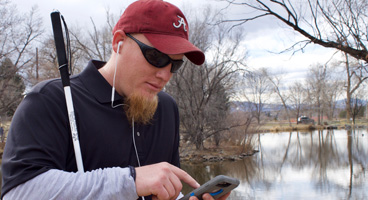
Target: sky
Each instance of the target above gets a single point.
(263, 36)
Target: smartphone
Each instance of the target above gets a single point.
(216, 187)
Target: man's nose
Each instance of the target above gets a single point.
(164, 73)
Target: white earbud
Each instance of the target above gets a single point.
(113, 83)
(120, 43)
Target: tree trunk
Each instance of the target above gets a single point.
(199, 142)
(348, 105)
(348, 86)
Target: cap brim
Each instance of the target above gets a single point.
(169, 44)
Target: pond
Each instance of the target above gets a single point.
(328, 164)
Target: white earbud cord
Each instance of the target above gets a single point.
(135, 147)
(112, 106)
(113, 82)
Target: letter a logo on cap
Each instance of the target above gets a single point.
(181, 22)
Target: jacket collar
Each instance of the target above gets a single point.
(96, 84)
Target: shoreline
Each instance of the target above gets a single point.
(210, 157)
(231, 152)
(282, 127)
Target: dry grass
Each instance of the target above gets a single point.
(6, 126)
(188, 152)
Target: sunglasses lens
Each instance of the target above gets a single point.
(156, 58)
(176, 64)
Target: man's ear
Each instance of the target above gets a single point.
(117, 40)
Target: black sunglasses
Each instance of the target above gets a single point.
(156, 57)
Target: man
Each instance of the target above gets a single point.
(129, 137)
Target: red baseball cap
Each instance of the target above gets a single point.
(163, 24)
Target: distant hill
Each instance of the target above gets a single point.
(341, 103)
(245, 106)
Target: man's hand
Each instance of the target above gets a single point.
(162, 180)
(209, 197)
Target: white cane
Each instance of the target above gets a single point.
(64, 73)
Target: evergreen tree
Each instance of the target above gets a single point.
(11, 88)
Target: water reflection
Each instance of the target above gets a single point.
(328, 164)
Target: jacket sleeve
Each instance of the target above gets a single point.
(108, 183)
(37, 141)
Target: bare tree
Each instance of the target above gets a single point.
(338, 24)
(242, 135)
(316, 87)
(333, 84)
(18, 34)
(45, 64)
(356, 74)
(257, 89)
(203, 92)
(356, 106)
(333, 92)
(279, 89)
(298, 98)
(96, 43)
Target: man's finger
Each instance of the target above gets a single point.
(170, 189)
(193, 198)
(163, 193)
(207, 196)
(225, 196)
(177, 184)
